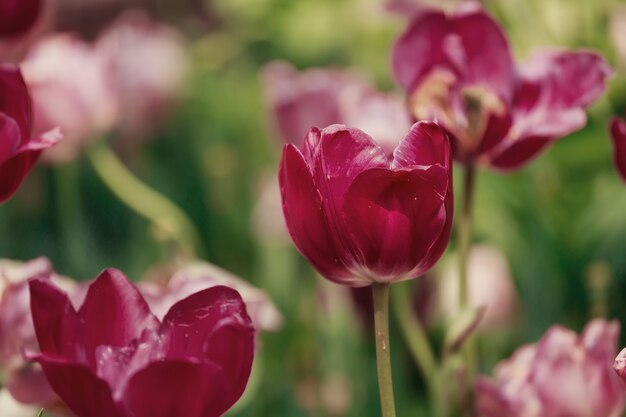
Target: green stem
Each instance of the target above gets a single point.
(145, 201)
(68, 195)
(383, 356)
(464, 241)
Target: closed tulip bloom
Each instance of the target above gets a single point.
(18, 16)
(19, 150)
(563, 375)
(458, 69)
(361, 215)
(618, 134)
(113, 358)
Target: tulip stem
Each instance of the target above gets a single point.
(464, 241)
(383, 355)
(170, 219)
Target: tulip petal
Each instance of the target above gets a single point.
(14, 99)
(426, 144)
(618, 134)
(83, 392)
(395, 218)
(116, 312)
(305, 216)
(470, 44)
(57, 325)
(176, 389)
(518, 153)
(192, 324)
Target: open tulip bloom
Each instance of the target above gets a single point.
(114, 358)
(458, 69)
(18, 150)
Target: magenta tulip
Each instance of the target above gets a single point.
(618, 133)
(563, 375)
(18, 149)
(113, 358)
(300, 100)
(18, 16)
(458, 69)
(361, 215)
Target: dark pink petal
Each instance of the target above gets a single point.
(10, 137)
(115, 311)
(518, 153)
(14, 99)
(426, 144)
(191, 324)
(553, 90)
(18, 16)
(83, 392)
(469, 44)
(305, 216)
(395, 218)
(57, 325)
(177, 389)
(618, 134)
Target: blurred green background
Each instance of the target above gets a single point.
(561, 222)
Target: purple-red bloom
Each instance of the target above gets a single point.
(18, 149)
(113, 358)
(618, 133)
(458, 69)
(361, 215)
(18, 16)
(563, 375)
(300, 100)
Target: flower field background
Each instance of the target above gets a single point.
(557, 227)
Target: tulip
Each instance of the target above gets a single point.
(321, 97)
(563, 375)
(113, 358)
(361, 215)
(618, 133)
(19, 150)
(148, 64)
(490, 285)
(458, 70)
(17, 17)
(197, 276)
(23, 379)
(72, 89)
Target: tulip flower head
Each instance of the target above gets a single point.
(458, 69)
(113, 358)
(18, 149)
(563, 375)
(361, 215)
(618, 134)
(299, 100)
(72, 89)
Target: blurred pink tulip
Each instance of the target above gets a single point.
(320, 97)
(148, 64)
(71, 88)
(18, 16)
(23, 379)
(490, 286)
(563, 375)
(198, 276)
(458, 69)
(618, 134)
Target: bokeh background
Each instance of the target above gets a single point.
(561, 222)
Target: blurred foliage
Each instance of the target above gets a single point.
(555, 220)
